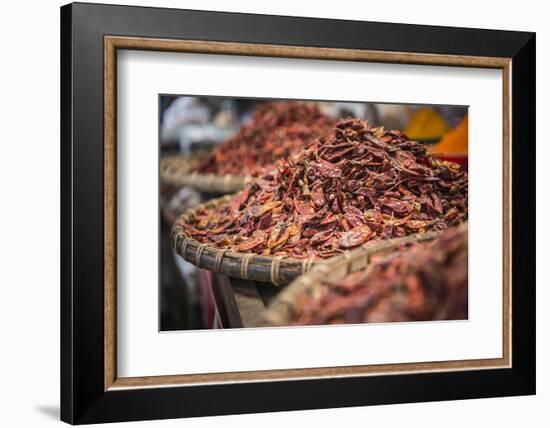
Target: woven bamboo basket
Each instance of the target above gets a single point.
(277, 270)
(282, 308)
(178, 171)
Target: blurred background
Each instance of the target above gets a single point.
(190, 299)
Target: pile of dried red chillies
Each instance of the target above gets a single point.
(423, 281)
(355, 184)
(276, 131)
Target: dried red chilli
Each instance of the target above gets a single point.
(277, 130)
(355, 184)
(419, 282)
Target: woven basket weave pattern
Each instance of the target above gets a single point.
(278, 270)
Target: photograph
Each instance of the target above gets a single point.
(283, 212)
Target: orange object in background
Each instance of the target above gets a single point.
(454, 145)
(455, 141)
(426, 125)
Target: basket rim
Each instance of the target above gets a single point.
(277, 269)
(177, 175)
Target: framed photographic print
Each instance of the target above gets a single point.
(265, 213)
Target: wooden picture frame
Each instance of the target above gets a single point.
(90, 389)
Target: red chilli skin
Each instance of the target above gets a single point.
(277, 130)
(419, 282)
(357, 183)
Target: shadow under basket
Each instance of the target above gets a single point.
(178, 171)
